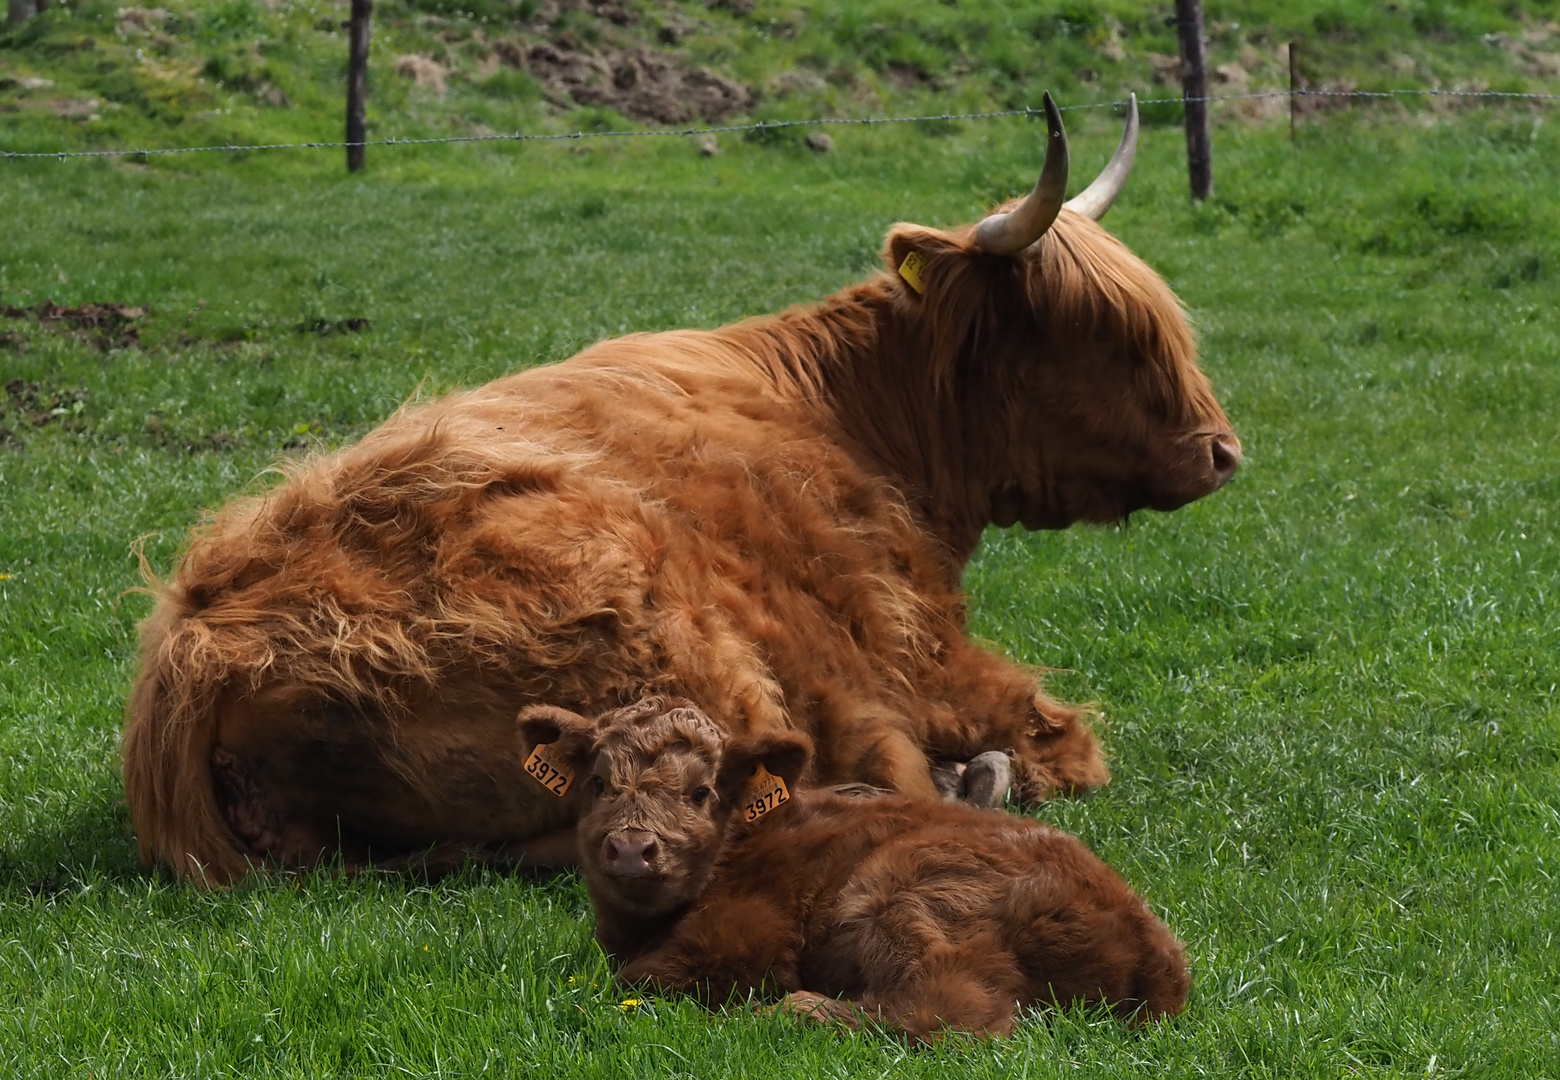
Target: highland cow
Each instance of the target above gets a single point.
(712, 875)
(770, 519)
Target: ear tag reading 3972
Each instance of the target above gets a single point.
(911, 270)
(549, 770)
(763, 793)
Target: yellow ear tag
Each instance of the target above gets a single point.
(764, 792)
(911, 269)
(549, 770)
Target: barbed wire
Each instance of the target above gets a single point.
(766, 125)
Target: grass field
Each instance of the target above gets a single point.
(1328, 692)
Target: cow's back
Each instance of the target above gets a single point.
(351, 646)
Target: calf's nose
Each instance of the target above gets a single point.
(1225, 453)
(630, 853)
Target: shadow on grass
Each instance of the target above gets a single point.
(95, 844)
(92, 843)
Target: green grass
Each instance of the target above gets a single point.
(1328, 692)
(218, 72)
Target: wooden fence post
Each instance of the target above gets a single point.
(1294, 87)
(18, 12)
(357, 82)
(1194, 90)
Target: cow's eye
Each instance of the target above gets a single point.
(597, 784)
(700, 793)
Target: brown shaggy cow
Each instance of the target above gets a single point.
(770, 519)
(926, 917)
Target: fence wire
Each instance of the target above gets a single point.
(771, 125)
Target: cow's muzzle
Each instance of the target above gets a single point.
(631, 853)
(1223, 458)
(1193, 466)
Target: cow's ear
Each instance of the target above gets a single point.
(571, 736)
(921, 258)
(782, 753)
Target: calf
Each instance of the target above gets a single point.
(711, 875)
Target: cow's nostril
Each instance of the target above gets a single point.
(630, 855)
(1226, 456)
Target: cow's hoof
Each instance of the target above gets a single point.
(948, 779)
(815, 1008)
(860, 791)
(987, 779)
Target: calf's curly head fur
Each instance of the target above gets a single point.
(663, 781)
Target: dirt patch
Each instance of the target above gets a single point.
(1167, 69)
(327, 327)
(640, 83)
(215, 441)
(27, 404)
(137, 20)
(73, 108)
(1526, 51)
(912, 76)
(107, 326)
(1231, 78)
(424, 71)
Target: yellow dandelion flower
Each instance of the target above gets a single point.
(629, 1003)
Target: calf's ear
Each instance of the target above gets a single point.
(783, 753)
(572, 736)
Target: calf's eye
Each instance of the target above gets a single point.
(597, 784)
(700, 794)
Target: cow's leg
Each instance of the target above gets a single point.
(302, 781)
(886, 757)
(983, 781)
(1057, 753)
(739, 945)
(262, 820)
(940, 1003)
(555, 851)
(996, 705)
(987, 779)
(1052, 751)
(817, 1009)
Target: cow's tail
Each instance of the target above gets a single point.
(170, 729)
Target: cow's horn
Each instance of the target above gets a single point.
(1094, 200)
(1012, 232)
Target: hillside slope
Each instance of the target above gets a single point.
(197, 72)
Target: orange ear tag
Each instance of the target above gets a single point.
(549, 770)
(911, 270)
(764, 792)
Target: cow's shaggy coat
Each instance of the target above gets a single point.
(770, 519)
(924, 916)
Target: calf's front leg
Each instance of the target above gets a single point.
(747, 945)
